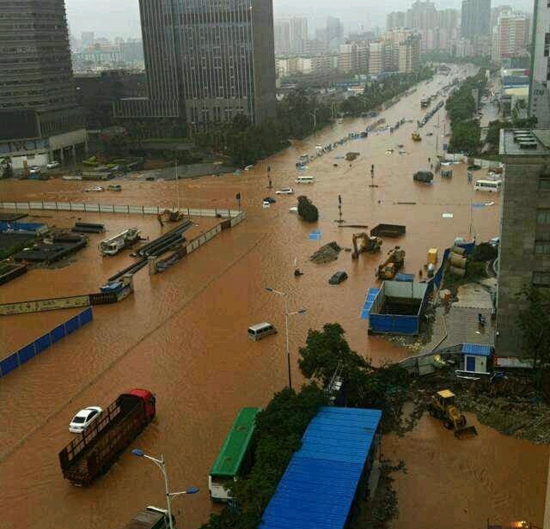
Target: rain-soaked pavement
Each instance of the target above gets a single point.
(183, 336)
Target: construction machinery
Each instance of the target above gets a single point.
(362, 242)
(393, 263)
(169, 215)
(443, 406)
(416, 137)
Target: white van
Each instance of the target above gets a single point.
(261, 330)
(488, 185)
(305, 180)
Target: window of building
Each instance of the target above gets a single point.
(542, 247)
(541, 279)
(544, 181)
(543, 216)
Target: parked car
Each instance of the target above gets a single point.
(52, 165)
(337, 278)
(84, 418)
(495, 242)
(285, 191)
(248, 167)
(114, 187)
(270, 200)
(34, 169)
(96, 189)
(266, 204)
(474, 167)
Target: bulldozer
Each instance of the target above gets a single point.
(169, 215)
(362, 242)
(393, 263)
(443, 406)
(416, 137)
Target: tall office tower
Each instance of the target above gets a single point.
(448, 18)
(395, 20)
(539, 94)
(206, 61)
(282, 36)
(39, 116)
(476, 18)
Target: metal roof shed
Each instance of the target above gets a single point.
(319, 485)
(475, 357)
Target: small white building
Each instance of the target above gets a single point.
(476, 357)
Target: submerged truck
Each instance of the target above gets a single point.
(150, 518)
(93, 451)
(115, 244)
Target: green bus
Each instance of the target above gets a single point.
(235, 456)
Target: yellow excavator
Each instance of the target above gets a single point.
(393, 263)
(362, 242)
(416, 137)
(443, 406)
(169, 215)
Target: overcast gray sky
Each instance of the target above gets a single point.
(111, 18)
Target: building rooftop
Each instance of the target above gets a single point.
(521, 91)
(525, 142)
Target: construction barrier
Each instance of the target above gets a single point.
(17, 359)
(108, 208)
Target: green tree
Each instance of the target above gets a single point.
(493, 133)
(466, 137)
(534, 322)
(307, 210)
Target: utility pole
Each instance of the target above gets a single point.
(340, 220)
(372, 184)
(269, 186)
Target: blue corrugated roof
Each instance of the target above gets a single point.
(371, 296)
(474, 349)
(318, 487)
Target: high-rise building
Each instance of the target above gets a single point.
(377, 57)
(510, 36)
(334, 33)
(39, 116)
(422, 15)
(206, 61)
(291, 35)
(496, 11)
(448, 18)
(524, 253)
(476, 18)
(395, 20)
(87, 38)
(353, 57)
(403, 50)
(539, 93)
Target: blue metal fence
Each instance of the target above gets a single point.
(13, 361)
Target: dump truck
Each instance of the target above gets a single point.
(423, 176)
(93, 451)
(115, 244)
(416, 137)
(443, 406)
(393, 263)
(425, 102)
(150, 518)
(362, 242)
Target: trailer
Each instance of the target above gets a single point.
(93, 451)
(388, 230)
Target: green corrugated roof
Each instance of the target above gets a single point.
(234, 447)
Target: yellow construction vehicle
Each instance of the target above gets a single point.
(169, 215)
(416, 137)
(362, 242)
(443, 406)
(393, 263)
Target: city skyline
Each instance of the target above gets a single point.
(124, 19)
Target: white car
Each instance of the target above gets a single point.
(285, 191)
(249, 167)
(34, 169)
(266, 204)
(84, 418)
(96, 189)
(52, 165)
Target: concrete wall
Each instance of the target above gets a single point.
(521, 198)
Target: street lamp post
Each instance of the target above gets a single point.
(287, 314)
(169, 495)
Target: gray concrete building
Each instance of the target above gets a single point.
(476, 18)
(39, 116)
(524, 255)
(206, 61)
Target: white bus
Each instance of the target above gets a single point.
(488, 185)
(305, 180)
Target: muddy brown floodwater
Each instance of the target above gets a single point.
(183, 336)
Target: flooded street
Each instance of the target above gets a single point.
(182, 335)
